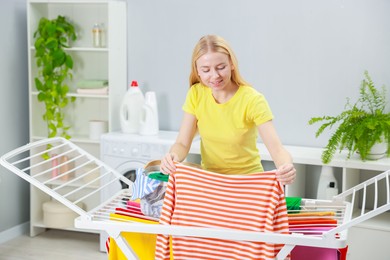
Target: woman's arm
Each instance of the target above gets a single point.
(286, 172)
(179, 150)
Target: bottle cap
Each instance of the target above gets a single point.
(134, 83)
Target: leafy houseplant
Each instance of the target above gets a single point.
(54, 68)
(360, 126)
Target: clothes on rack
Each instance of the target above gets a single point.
(134, 206)
(311, 214)
(143, 185)
(195, 197)
(151, 204)
(293, 204)
(314, 223)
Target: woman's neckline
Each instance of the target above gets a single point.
(223, 99)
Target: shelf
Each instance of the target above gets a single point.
(312, 156)
(75, 139)
(87, 96)
(68, 1)
(35, 93)
(88, 49)
(108, 63)
(82, 49)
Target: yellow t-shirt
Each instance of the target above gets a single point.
(228, 131)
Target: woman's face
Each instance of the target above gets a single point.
(215, 70)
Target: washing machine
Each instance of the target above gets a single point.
(127, 152)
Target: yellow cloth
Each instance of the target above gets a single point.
(228, 131)
(312, 214)
(143, 244)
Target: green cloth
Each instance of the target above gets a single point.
(158, 176)
(293, 203)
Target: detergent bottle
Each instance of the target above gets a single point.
(131, 109)
(149, 117)
(327, 180)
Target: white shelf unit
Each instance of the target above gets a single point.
(90, 63)
(349, 173)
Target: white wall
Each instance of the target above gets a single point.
(14, 192)
(306, 56)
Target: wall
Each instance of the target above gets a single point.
(305, 56)
(14, 192)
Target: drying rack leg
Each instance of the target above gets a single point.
(286, 249)
(124, 246)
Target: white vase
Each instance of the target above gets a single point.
(377, 151)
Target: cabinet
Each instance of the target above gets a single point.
(366, 240)
(90, 63)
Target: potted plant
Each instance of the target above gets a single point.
(54, 67)
(360, 126)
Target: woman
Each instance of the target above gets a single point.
(228, 114)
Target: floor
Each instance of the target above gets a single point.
(53, 244)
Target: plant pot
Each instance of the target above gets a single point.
(378, 151)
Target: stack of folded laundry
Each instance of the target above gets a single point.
(92, 87)
(314, 223)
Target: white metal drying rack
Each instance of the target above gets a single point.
(90, 177)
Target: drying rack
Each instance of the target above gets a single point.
(81, 176)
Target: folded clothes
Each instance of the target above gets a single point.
(92, 83)
(93, 91)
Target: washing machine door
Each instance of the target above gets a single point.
(127, 169)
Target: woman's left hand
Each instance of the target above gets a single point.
(286, 174)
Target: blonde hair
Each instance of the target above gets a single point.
(214, 43)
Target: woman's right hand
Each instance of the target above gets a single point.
(167, 165)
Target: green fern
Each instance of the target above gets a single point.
(360, 126)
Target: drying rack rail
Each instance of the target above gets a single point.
(70, 175)
(64, 171)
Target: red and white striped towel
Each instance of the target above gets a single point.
(195, 197)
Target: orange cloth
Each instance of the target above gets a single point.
(311, 214)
